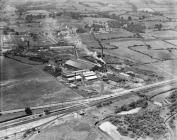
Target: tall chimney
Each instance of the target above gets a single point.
(101, 51)
(75, 52)
(101, 87)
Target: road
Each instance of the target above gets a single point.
(16, 127)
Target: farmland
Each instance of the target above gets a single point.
(124, 51)
(164, 34)
(120, 33)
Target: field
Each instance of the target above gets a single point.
(172, 41)
(119, 33)
(91, 19)
(164, 34)
(24, 85)
(76, 129)
(166, 25)
(159, 54)
(155, 59)
(165, 68)
(124, 51)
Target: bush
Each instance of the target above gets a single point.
(122, 131)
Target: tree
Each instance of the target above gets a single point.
(29, 18)
(28, 111)
(129, 18)
(81, 30)
(148, 47)
(5, 30)
(133, 105)
(158, 26)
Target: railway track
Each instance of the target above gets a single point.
(82, 104)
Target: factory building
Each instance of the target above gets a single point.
(92, 77)
(74, 78)
(79, 64)
(84, 75)
(124, 76)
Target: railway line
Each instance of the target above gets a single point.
(82, 104)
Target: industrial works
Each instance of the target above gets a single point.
(88, 70)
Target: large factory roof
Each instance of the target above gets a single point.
(80, 64)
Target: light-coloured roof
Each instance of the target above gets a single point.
(89, 73)
(74, 78)
(91, 77)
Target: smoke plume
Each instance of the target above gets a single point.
(75, 40)
(80, 45)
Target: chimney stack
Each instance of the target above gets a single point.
(75, 52)
(101, 88)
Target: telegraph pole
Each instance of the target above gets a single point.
(1, 109)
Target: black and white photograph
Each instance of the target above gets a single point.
(88, 69)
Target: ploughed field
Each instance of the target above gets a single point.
(24, 85)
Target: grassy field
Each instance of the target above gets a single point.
(172, 41)
(164, 34)
(120, 33)
(159, 54)
(124, 51)
(165, 68)
(24, 85)
(75, 129)
(149, 59)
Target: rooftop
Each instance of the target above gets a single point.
(80, 64)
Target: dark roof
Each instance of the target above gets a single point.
(80, 64)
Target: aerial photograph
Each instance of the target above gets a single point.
(88, 69)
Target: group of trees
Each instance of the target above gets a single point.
(158, 26)
(136, 28)
(140, 103)
(29, 18)
(130, 26)
(144, 123)
(55, 72)
(173, 99)
(6, 30)
(104, 103)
